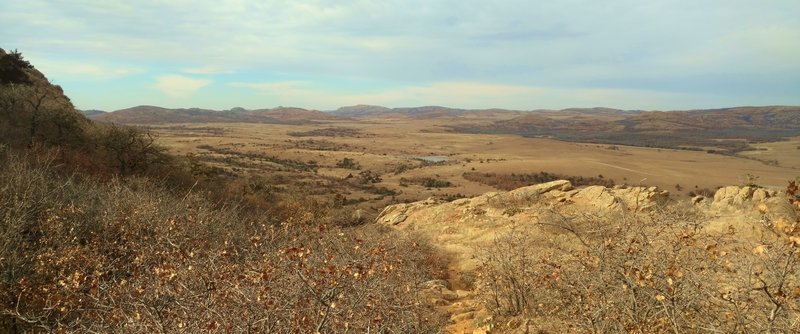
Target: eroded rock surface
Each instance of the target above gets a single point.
(460, 227)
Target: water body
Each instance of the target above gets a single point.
(433, 158)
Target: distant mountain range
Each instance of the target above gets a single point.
(726, 130)
(604, 119)
(534, 122)
(155, 115)
(425, 112)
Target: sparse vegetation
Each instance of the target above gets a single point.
(427, 182)
(751, 180)
(517, 180)
(368, 176)
(319, 145)
(348, 163)
(329, 132)
(402, 168)
(452, 197)
(286, 163)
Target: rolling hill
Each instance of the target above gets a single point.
(424, 112)
(154, 115)
(728, 130)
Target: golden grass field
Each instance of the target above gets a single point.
(786, 153)
(381, 146)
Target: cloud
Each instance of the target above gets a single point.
(206, 70)
(272, 86)
(681, 46)
(61, 68)
(471, 95)
(178, 86)
(757, 48)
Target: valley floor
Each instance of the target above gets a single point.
(390, 149)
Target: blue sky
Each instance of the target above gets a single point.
(528, 54)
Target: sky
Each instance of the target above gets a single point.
(514, 54)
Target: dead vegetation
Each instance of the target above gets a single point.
(102, 231)
(127, 256)
(647, 273)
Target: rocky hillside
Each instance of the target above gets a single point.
(537, 258)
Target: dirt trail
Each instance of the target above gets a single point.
(465, 310)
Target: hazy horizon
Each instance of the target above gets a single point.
(520, 55)
(434, 106)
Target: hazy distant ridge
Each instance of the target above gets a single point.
(154, 115)
(605, 125)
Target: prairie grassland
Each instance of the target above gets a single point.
(384, 153)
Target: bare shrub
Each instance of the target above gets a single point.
(128, 256)
(649, 272)
(427, 182)
(508, 267)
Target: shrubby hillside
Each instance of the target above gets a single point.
(129, 256)
(101, 231)
(36, 115)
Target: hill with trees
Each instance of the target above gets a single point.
(727, 131)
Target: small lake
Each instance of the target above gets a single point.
(433, 158)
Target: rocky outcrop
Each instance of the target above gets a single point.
(504, 205)
(534, 191)
(398, 213)
(464, 224)
(752, 201)
(461, 227)
(527, 203)
(737, 196)
(635, 198)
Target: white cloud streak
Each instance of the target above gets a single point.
(206, 70)
(178, 86)
(473, 95)
(92, 71)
